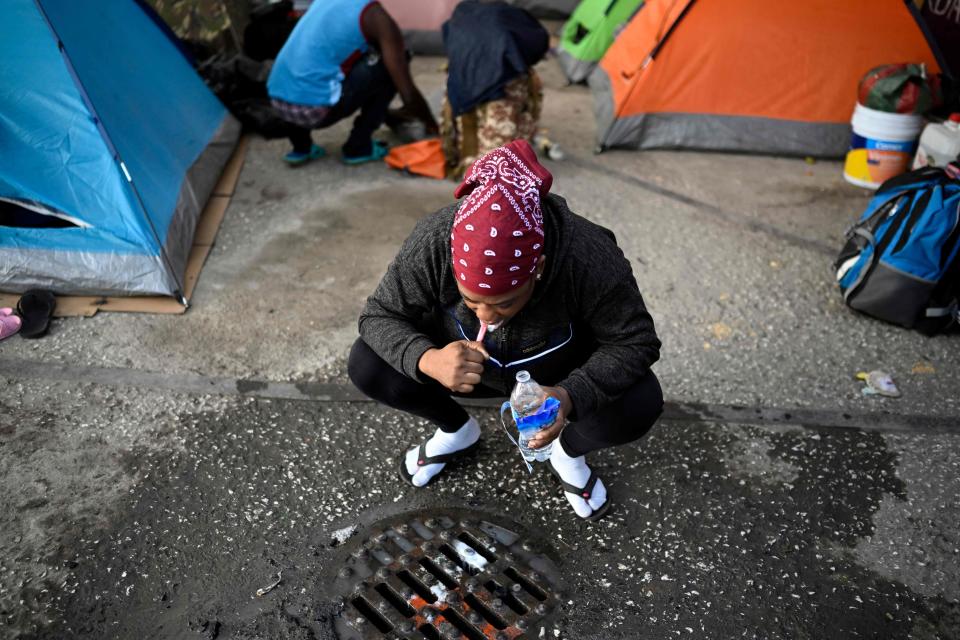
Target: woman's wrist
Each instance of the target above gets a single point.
(425, 362)
(566, 404)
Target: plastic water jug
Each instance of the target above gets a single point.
(939, 143)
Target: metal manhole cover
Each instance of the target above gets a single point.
(445, 575)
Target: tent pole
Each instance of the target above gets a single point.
(666, 36)
(648, 59)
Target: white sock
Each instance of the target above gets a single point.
(441, 442)
(576, 472)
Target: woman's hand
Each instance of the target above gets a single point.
(457, 366)
(545, 436)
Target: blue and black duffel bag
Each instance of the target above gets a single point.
(900, 262)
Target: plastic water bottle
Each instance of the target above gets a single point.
(526, 399)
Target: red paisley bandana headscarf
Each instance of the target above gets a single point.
(497, 233)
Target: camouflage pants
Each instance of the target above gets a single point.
(491, 124)
(214, 24)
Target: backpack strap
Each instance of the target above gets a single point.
(952, 309)
(942, 318)
(916, 179)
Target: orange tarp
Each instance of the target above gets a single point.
(423, 158)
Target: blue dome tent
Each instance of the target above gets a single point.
(110, 145)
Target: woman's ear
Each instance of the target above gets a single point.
(541, 265)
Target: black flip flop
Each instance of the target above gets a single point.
(423, 460)
(584, 492)
(35, 308)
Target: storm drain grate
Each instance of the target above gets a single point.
(444, 576)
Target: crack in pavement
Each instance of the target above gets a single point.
(689, 412)
(719, 212)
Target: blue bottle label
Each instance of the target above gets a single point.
(542, 417)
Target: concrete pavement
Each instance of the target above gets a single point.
(157, 471)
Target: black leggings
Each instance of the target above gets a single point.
(624, 420)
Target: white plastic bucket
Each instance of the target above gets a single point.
(881, 147)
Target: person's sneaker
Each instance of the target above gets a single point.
(9, 325)
(297, 158)
(378, 151)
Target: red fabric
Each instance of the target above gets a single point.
(498, 231)
(903, 88)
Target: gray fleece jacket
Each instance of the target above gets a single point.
(585, 329)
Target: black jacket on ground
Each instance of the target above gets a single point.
(585, 329)
(487, 46)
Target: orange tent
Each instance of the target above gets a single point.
(762, 76)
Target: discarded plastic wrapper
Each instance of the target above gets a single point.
(544, 416)
(270, 587)
(879, 383)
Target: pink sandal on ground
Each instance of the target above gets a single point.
(9, 325)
